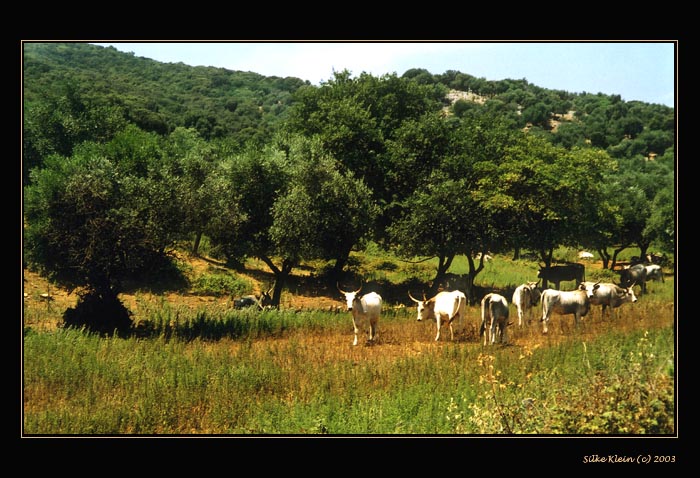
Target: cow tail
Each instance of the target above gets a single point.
(485, 306)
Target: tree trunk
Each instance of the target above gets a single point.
(605, 257)
(340, 261)
(474, 270)
(614, 256)
(444, 263)
(546, 257)
(643, 248)
(195, 247)
(516, 253)
(281, 276)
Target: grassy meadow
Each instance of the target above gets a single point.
(203, 368)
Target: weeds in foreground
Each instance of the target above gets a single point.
(635, 397)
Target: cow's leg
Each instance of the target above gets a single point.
(545, 319)
(520, 316)
(492, 331)
(354, 325)
(372, 329)
(452, 334)
(438, 322)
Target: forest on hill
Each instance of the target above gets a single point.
(123, 157)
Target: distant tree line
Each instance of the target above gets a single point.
(355, 159)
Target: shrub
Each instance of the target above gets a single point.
(221, 284)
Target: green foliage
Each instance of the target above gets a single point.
(355, 117)
(60, 119)
(89, 226)
(356, 154)
(221, 284)
(159, 97)
(325, 213)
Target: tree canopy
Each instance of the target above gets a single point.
(124, 156)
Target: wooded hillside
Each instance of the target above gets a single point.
(124, 157)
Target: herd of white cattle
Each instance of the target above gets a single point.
(448, 307)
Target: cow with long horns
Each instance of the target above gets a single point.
(365, 309)
(444, 308)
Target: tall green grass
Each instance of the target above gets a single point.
(214, 370)
(74, 383)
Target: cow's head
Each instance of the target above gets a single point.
(626, 294)
(590, 289)
(350, 297)
(425, 307)
(534, 292)
(266, 298)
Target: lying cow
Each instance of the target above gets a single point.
(574, 302)
(262, 301)
(494, 318)
(525, 297)
(444, 308)
(608, 294)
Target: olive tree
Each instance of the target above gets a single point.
(90, 226)
(295, 204)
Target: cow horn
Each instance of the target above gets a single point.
(339, 289)
(413, 298)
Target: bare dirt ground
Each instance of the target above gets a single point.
(41, 296)
(395, 337)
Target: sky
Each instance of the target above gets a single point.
(643, 71)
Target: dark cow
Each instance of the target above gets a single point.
(557, 274)
(634, 275)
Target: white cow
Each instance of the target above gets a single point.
(363, 309)
(445, 307)
(585, 255)
(525, 297)
(607, 294)
(574, 302)
(654, 272)
(494, 317)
